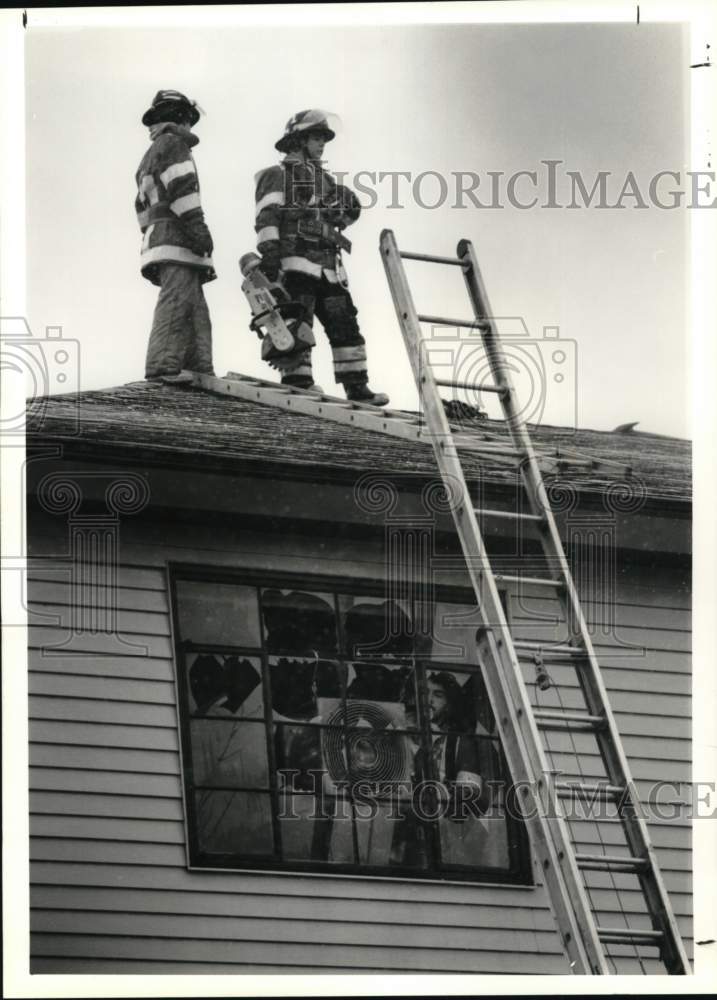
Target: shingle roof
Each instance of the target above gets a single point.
(192, 424)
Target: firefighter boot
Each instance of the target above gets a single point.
(359, 392)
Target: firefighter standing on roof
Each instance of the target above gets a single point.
(301, 213)
(176, 243)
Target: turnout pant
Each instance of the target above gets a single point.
(181, 334)
(332, 304)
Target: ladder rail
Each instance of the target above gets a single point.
(394, 423)
(591, 680)
(509, 697)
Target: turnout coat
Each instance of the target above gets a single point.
(300, 212)
(168, 206)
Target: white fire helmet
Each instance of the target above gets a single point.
(312, 120)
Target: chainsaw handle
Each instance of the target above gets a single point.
(254, 324)
(298, 308)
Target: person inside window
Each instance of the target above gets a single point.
(459, 767)
(455, 758)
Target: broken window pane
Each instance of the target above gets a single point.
(301, 685)
(222, 685)
(372, 627)
(299, 623)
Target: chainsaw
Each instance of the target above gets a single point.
(278, 321)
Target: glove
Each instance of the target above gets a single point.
(270, 263)
(349, 207)
(199, 237)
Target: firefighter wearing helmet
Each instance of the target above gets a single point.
(176, 243)
(301, 213)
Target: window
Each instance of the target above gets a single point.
(324, 728)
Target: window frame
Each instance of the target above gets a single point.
(518, 874)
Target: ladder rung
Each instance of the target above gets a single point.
(571, 463)
(537, 581)
(607, 862)
(567, 789)
(462, 440)
(547, 718)
(472, 324)
(547, 650)
(616, 935)
(511, 515)
(477, 386)
(455, 261)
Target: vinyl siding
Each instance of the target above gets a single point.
(110, 887)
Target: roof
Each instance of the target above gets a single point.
(190, 424)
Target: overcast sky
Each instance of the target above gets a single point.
(423, 98)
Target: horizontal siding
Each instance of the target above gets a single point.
(96, 710)
(53, 593)
(277, 954)
(111, 892)
(344, 909)
(241, 929)
(145, 577)
(54, 641)
(97, 734)
(173, 855)
(261, 906)
(56, 804)
(134, 667)
(103, 759)
(102, 688)
(131, 966)
(110, 874)
(125, 966)
(116, 782)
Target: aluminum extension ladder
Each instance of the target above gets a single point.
(519, 724)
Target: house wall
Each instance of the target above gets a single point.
(110, 888)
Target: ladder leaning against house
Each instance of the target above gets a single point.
(520, 725)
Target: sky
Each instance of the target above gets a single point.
(413, 98)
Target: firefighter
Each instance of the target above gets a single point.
(176, 242)
(301, 212)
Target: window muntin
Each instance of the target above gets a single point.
(311, 738)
